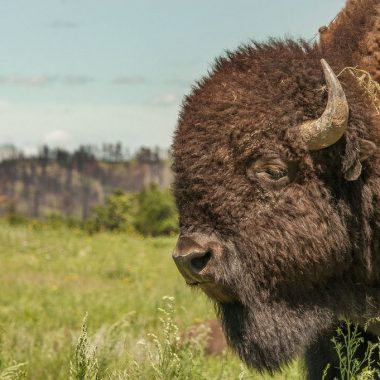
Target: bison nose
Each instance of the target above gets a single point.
(192, 257)
(193, 262)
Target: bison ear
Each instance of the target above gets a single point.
(366, 149)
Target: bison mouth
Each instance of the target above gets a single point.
(218, 292)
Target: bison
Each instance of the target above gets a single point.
(277, 183)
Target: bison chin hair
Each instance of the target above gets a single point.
(269, 336)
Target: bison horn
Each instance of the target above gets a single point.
(329, 128)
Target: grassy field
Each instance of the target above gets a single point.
(50, 278)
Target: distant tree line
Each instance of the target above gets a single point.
(71, 183)
(108, 152)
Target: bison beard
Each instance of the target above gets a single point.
(266, 336)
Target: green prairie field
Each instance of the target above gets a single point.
(52, 277)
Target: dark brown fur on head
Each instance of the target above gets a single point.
(299, 255)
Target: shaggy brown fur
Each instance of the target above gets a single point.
(363, 51)
(299, 256)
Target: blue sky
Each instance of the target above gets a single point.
(91, 71)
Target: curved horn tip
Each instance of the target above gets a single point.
(330, 127)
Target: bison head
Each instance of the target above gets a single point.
(269, 186)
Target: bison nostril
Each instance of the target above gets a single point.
(200, 262)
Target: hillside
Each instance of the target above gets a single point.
(40, 186)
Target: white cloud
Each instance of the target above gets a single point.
(4, 105)
(44, 80)
(129, 80)
(76, 80)
(58, 138)
(63, 24)
(32, 81)
(5, 139)
(166, 100)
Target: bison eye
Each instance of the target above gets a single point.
(270, 172)
(273, 173)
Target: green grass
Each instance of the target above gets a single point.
(51, 278)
